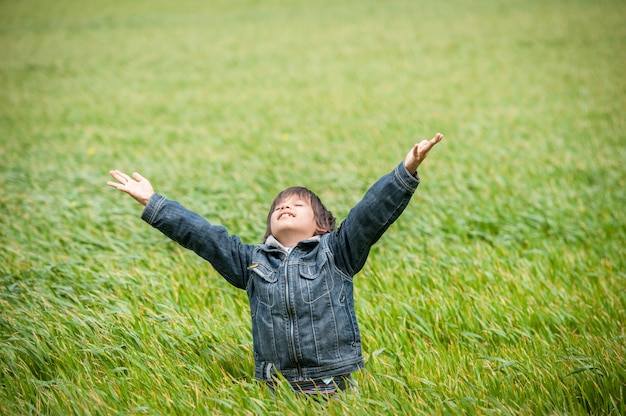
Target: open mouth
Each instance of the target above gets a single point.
(288, 214)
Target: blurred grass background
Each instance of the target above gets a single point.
(500, 290)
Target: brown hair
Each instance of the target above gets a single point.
(324, 219)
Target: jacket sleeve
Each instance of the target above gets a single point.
(368, 220)
(226, 253)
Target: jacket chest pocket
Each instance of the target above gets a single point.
(316, 281)
(265, 284)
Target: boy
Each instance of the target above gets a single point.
(300, 280)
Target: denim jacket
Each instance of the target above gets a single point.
(303, 321)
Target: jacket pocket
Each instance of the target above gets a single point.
(316, 281)
(264, 285)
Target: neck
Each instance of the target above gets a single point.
(289, 243)
(290, 240)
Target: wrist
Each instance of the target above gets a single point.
(411, 167)
(145, 199)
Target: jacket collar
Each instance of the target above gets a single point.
(273, 243)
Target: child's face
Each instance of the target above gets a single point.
(293, 218)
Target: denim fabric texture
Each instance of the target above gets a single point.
(301, 300)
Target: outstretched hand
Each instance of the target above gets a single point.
(138, 187)
(419, 152)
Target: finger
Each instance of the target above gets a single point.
(115, 185)
(438, 137)
(426, 145)
(114, 173)
(120, 176)
(138, 177)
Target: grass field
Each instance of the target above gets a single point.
(501, 290)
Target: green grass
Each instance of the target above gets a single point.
(501, 290)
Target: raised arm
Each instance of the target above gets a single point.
(381, 205)
(138, 187)
(228, 255)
